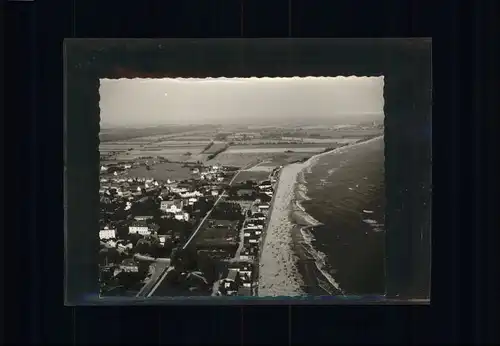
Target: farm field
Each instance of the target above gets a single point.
(266, 167)
(215, 147)
(251, 175)
(321, 140)
(273, 159)
(238, 159)
(161, 171)
(274, 149)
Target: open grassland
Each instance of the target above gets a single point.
(251, 175)
(210, 234)
(161, 171)
(270, 159)
(238, 159)
(263, 167)
(242, 149)
(215, 147)
(321, 140)
(158, 132)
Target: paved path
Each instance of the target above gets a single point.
(160, 267)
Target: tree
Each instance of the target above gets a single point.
(207, 266)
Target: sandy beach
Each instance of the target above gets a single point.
(286, 266)
(278, 273)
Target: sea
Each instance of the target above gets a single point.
(340, 198)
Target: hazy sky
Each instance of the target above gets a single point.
(126, 102)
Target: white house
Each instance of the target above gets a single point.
(173, 206)
(107, 233)
(104, 168)
(263, 207)
(139, 227)
(191, 194)
(265, 185)
(180, 216)
(215, 193)
(192, 200)
(129, 265)
(253, 227)
(128, 205)
(142, 218)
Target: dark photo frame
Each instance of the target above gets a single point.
(407, 69)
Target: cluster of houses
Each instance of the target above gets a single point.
(171, 197)
(175, 199)
(240, 278)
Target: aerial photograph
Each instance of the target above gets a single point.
(255, 187)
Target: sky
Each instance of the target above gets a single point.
(150, 102)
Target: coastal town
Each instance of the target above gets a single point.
(207, 189)
(187, 214)
(198, 236)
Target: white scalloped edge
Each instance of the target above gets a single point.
(244, 79)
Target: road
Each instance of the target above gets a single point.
(217, 201)
(164, 272)
(160, 267)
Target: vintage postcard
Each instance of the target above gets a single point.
(242, 186)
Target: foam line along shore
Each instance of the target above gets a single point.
(288, 266)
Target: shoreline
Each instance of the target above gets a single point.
(313, 280)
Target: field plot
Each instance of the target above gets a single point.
(276, 148)
(321, 140)
(238, 159)
(251, 175)
(215, 147)
(284, 159)
(161, 171)
(211, 234)
(343, 133)
(207, 137)
(177, 151)
(265, 167)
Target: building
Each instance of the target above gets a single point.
(163, 238)
(248, 253)
(173, 206)
(265, 185)
(263, 207)
(215, 193)
(230, 284)
(129, 266)
(180, 216)
(142, 218)
(139, 227)
(258, 216)
(107, 233)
